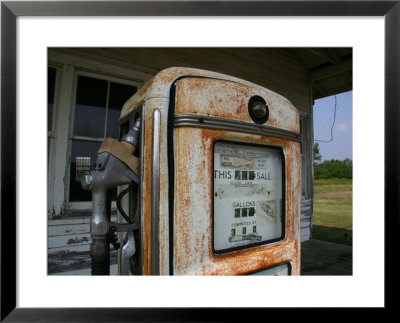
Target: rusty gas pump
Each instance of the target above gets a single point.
(216, 177)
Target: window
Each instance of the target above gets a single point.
(249, 189)
(97, 108)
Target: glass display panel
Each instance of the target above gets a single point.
(280, 270)
(248, 195)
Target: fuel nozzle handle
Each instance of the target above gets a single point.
(132, 136)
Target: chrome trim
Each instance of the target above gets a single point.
(155, 194)
(201, 121)
(128, 250)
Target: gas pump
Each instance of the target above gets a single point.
(210, 165)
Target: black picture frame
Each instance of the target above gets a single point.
(10, 10)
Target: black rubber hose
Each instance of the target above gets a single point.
(119, 206)
(100, 256)
(101, 267)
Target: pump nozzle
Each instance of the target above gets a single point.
(115, 166)
(132, 136)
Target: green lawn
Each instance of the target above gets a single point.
(333, 211)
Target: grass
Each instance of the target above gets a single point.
(333, 211)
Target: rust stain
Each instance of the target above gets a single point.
(230, 100)
(164, 233)
(146, 194)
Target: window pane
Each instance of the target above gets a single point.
(83, 157)
(51, 85)
(91, 97)
(81, 149)
(119, 94)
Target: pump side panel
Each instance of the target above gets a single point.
(147, 190)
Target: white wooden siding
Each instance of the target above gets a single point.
(306, 218)
(69, 244)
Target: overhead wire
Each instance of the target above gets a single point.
(333, 124)
(339, 105)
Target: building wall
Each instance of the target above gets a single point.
(68, 220)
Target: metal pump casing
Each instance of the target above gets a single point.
(184, 112)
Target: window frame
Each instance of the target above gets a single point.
(51, 134)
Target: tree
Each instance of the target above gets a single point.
(317, 155)
(334, 169)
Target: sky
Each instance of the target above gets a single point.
(341, 146)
